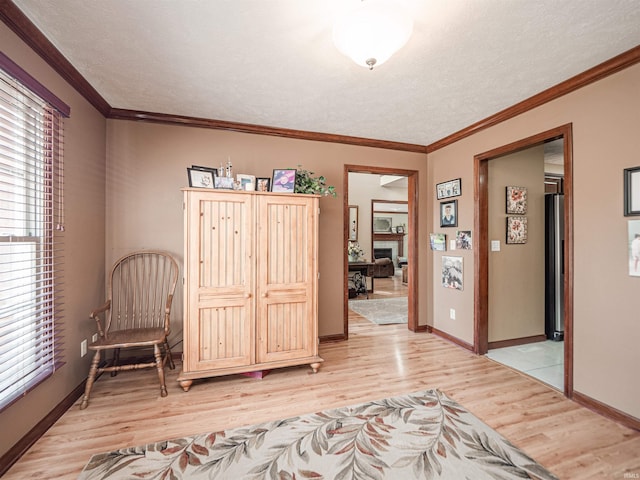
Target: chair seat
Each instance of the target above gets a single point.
(130, 338)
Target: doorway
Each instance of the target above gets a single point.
(410, 248)
(526, 325)
(482, 285)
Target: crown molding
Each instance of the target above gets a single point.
(122, 114)
(616, 64)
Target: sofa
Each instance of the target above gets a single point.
(383, 268)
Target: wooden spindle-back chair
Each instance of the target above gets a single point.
(136, 314)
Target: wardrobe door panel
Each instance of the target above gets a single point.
(220, 284)
(286, 277)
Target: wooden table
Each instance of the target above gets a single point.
(366, 270)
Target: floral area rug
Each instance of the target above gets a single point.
(383, 311)
(422, 435)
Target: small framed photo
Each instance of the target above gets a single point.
(463, 240)
(452, 188)
(247, 182)
(516, 200)
(284, 180)
(263, 184)
(438, 242)
(201, 178)
(517, 230)
(400, 229)
(631, 191)
(225, 183)
(449, 213)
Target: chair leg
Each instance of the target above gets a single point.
(167, 352)
(93, 371)
(160, 367)
(115, 361)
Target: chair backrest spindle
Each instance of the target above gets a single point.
(140, 284)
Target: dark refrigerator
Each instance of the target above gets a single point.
(554, 266)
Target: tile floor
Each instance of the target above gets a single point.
(541, 360)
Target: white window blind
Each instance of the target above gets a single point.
(31, 239)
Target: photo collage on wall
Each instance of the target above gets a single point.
(452, 266)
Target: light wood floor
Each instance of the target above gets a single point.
(376, 362)
(387, 287)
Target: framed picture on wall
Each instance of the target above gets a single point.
(516, 230)
(382, 224)
(452, 273)
(631, 191)
(353, 223)
(634, 248)
(449, 213)
(516, 200)
(463, 240)
(438, 241)
(451, 188)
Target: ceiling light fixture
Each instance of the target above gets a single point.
(372, 32)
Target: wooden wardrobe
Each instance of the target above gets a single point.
(250, 282)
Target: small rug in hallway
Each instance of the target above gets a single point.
(424, 435)
(382, 311)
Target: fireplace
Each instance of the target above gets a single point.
(383, 253)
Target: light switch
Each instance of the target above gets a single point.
(495, 245)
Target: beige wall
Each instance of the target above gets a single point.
(516, 272)
(605, 117)
(146, 168)
(444, 299)
(84, 242)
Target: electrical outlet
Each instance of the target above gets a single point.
(94, 339)
(83, 348)
(452, 313)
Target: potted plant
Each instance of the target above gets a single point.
(307, 183)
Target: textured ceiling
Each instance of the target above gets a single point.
(272, 62)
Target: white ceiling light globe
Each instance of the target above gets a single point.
(372, 32)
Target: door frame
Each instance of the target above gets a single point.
(412, 238)
(481, 254)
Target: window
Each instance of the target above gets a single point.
(31, 236)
